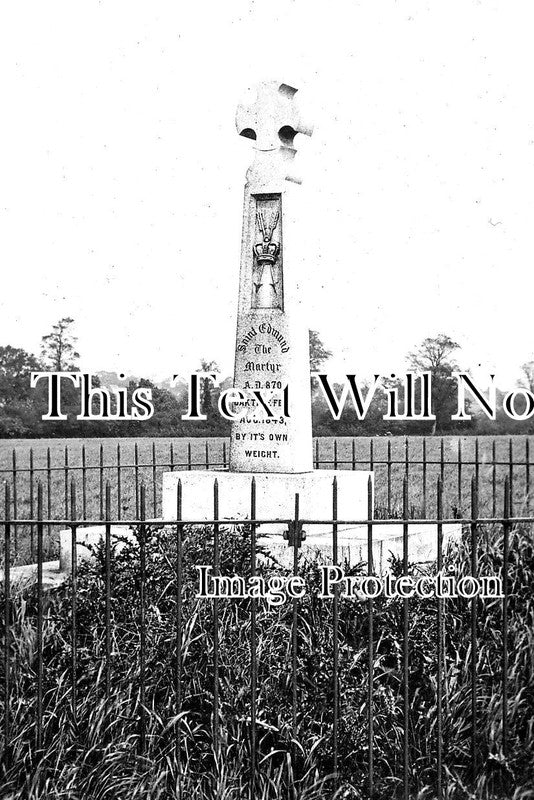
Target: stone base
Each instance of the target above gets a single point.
(275, 496)
(26, 575)
(87, 538)
(352, 545)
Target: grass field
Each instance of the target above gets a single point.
(126, 463)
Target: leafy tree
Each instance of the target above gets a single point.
(16, 366)
(58, 348)
(206, 388)
(318, 352)
(435, 355)
(527, 379)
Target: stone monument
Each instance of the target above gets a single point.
(271, 438)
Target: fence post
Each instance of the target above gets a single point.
(7, 624)
(142, 621)
(439, 643)
(216, 560)
(405, 647)
(74, 570)
(506, 534)
(32, 509)
(15, 505)
(178, 677)
(84, 483)
(253, 654)
(294, 630)
(39, 706)
(154, 480)
(424, 476)
(370, 642)
(474, 649)
(101, 480)
(108, 590)
(119, 492)
(335, 631)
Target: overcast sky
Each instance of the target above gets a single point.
(121, 176)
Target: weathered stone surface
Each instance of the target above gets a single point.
(88, 538)
(26, 575)
(387, 543)
(272, 350)
(275, 496)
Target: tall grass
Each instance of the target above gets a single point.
(96, 753)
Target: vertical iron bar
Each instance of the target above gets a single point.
(477, 462)
(389, 477)
(189, 455)
(171, 453)
(335, 630)
(506, 534)
(527, 473)
(216, 557)
(108, 591)
(224, 454)
(294, 630)
(371, 454)
(474, 648)
(424, 476)
(15, 504)
(494, 478)
(335, 453)
(66, 481)
(32, 509)
(406, 456)
(370, 643)
(459, 476)
(511, 473)
(142, 621)
(49, 495)
(7, 625)
(136, 478)
(442, 461)
(439, 642)
(178, 679)
(101, 481)
(154, 481)
(353, 454)
(74, 564)
(405, 647)
(39, 706)
(317, 454)
(207, 454)
(253, 646)
(119, 488)
(84, 483)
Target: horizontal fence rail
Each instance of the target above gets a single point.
(428, 746)
(455, 460)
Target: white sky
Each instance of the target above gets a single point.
(121, 175)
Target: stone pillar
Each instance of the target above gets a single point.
(272, 349)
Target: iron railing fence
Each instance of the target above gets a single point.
(484, 733)
(128, 464)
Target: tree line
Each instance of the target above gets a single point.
(22, 407)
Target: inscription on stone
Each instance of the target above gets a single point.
(271, 434)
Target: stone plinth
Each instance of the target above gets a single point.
(275, 496)
(387, 542)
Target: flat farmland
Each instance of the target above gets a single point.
(127, 463)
